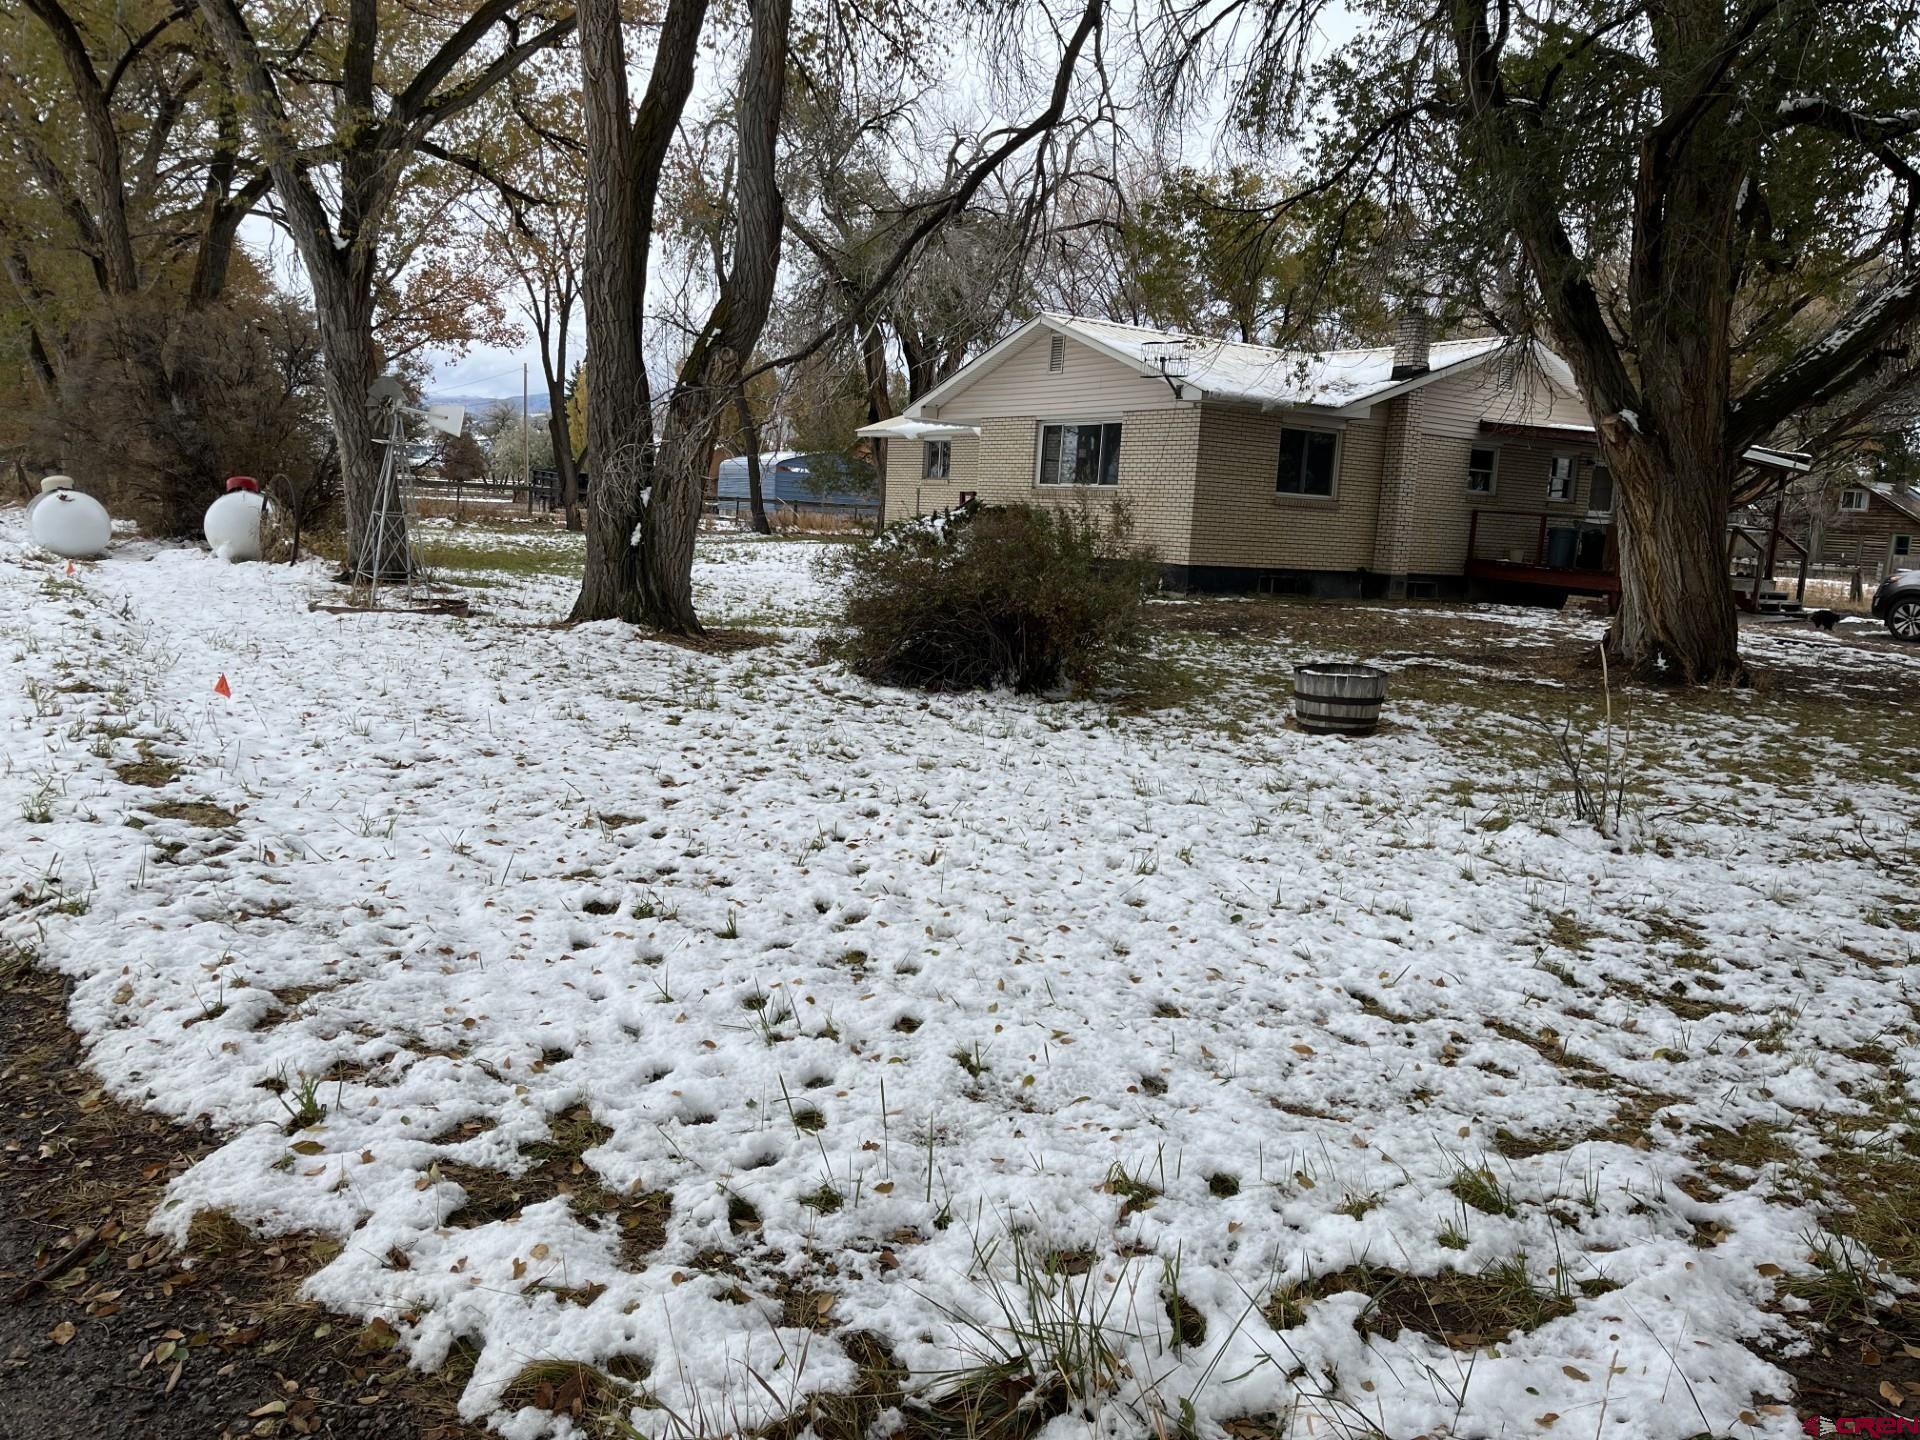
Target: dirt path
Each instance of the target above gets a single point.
(134, 1340)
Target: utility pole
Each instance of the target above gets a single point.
(526, 436)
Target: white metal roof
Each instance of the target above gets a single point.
(1335, 380)
(1230, 370)
(905, 427)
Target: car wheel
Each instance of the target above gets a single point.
(1903, 619)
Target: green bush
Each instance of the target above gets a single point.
(984, 596)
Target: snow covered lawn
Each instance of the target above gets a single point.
(750, 1034)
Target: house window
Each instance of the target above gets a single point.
(1560, 477)
(1853, 499)
(1079, 454)
(1057, 354)
(1600, 491)
(936, 459)
(1902, 546)
(1480, 467)
(1308, 463)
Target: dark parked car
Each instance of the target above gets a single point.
(1897, 602)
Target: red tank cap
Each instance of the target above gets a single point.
(242, 482)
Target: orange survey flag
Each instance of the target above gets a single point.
(220, 687)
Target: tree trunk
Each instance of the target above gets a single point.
(563, 465)
(1676, 623)
(750, 436)
(346, 333)
(623, 177)
(873, 365)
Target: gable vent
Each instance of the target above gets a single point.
(1057, 354)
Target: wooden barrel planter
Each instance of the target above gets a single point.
(1338, 699)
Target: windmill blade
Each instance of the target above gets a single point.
(447, 419)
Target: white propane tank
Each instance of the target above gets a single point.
(68, 523)
(233, 521)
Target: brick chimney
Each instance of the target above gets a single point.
(1412, 340)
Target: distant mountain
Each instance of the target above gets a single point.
(478, 405)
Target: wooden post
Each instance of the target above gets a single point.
(1773, 542)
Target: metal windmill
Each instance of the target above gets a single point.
(387, 552)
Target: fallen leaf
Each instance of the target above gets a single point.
(1890, 1392)
(1573, 1374)
(540, 1251)
(61, 1333)
(1303, 1050)
(309, 1147)
(1769, 1269)
(1545, 1422)
(272, 1407)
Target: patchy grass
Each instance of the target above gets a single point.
(149, 771)
(1461, 1309)
(555, 1168)
(203, 813)
(590, 1397)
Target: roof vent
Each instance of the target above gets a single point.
(1057, 354)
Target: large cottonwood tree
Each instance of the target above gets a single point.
(1707, 206)
(647, 478)
(344, 105)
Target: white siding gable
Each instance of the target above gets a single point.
(1088, 386)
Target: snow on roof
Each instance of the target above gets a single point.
(1261, 374)
(905, 427)
(1907, 502)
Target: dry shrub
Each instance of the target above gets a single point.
(1015, 595)
(159, 403)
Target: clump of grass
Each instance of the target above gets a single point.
(1223, 1186)
(301, 1100)
(1047, 1351)
(1135, 1192)
(974, 1062)
(1479, 1187)
(825, 1199)
(1356, 1205)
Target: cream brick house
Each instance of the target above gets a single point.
(1417, 468)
